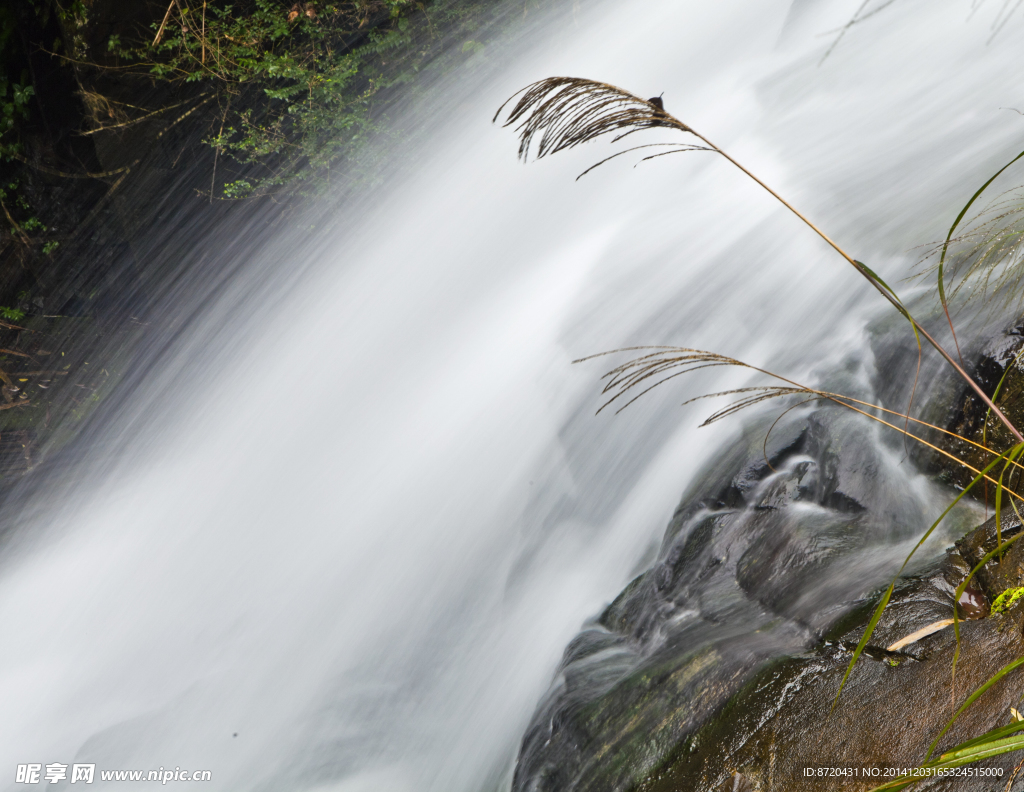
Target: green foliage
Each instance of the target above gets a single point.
(13, 199)
(992, 258)
(294, 85)
(12, 314)
(14, 99)
(1006, 600)
(238, 189)
(997, 741)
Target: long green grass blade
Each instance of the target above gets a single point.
(980, 750)
(888, 593)
(1002, 379)
(884, 285)
(1014, 453)
(998, 733)
(959, 217)
(893, 786)
(995, 395)
(1006, 669)
(1011, 456)
(864, 640)
(899, 303)
(1000, 740)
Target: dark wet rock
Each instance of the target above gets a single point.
(968, 417)
(893, 706)
(1002, 571)
(733, 717)
(737, 783)
(775, 560)
(973, 604)
(719, 665)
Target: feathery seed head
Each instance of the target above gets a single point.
(563, 112)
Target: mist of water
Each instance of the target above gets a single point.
(338, 538)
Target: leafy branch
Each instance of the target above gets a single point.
(293, 84)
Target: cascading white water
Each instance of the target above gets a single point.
(357, 570)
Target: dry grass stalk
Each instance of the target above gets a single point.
(562, 112)
(160, 32)
(917, 635)
(567, 111)
(647, 371)
(659, 364)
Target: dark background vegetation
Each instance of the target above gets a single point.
(132, 128)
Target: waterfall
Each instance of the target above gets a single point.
(338, 535)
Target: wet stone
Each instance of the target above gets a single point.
(725, 656)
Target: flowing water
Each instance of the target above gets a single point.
(338, 535)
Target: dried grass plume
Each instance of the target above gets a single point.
(560, 113)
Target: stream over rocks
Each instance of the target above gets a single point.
(759, 562)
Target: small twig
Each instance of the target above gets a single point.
(1013, 777)
(185, 115)
(216, 151)
(55, 172)
(842, 32)
(102, 202)
(25, 238)
(640, 371)
(135, 120)
(163, 24)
